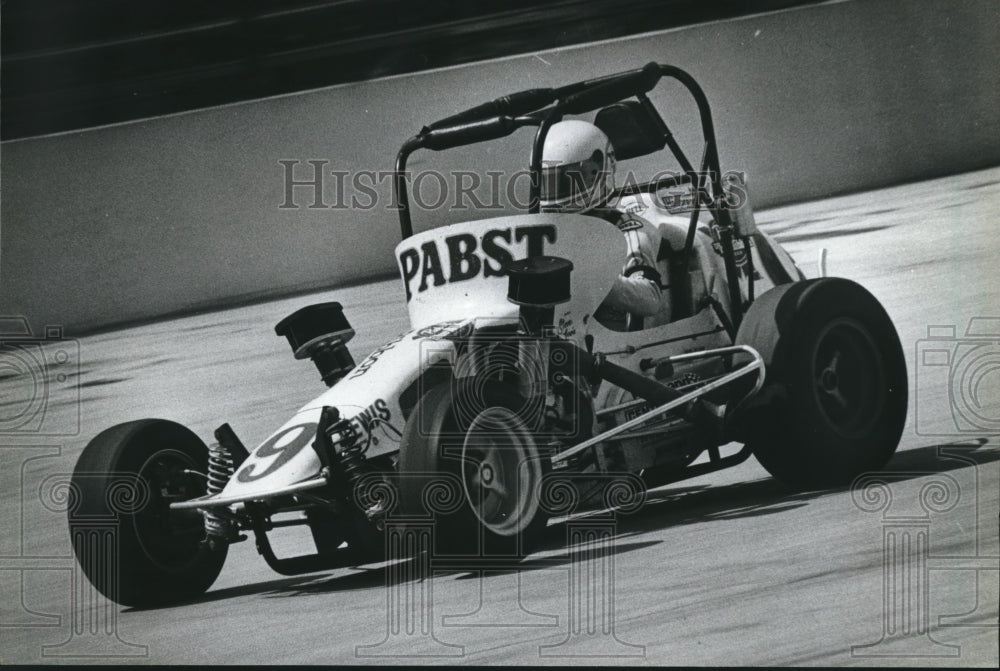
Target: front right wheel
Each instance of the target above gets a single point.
(835, 382)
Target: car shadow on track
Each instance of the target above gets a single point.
(665, 507)
(363, 578)
(669, 507)
(418, 568)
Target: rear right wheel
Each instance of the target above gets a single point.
(836, 380)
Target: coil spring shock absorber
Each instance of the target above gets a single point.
(352, 459)
(352, 463)
(220, 469)
(348, 464)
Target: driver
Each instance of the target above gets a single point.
(578, 176)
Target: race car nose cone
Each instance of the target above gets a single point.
(539, 281)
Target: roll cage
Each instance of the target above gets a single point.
(633, 125)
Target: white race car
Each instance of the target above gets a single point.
(507, 383)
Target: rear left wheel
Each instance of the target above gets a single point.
(473, 438)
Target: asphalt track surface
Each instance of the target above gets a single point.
(728, 568)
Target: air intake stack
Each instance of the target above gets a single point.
(320, 332)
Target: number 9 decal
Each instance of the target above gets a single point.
(282, 446)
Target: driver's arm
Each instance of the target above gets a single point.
(637, 289)
(636, 294)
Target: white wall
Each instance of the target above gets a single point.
(176, 213)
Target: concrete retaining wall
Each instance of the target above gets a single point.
(184, 212)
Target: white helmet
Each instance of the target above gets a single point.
(578, 167)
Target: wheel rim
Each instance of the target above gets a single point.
(171, 539)
(501, 471)
(848, 377)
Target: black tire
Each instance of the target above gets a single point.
(835, 396)
(129, 474)
(475, 435)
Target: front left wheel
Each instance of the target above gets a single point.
(129, 544)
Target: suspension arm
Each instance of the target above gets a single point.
(668, 398)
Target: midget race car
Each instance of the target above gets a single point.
(507, 384)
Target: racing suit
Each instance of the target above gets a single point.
(640, 289)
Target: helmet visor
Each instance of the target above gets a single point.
(575, 183)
